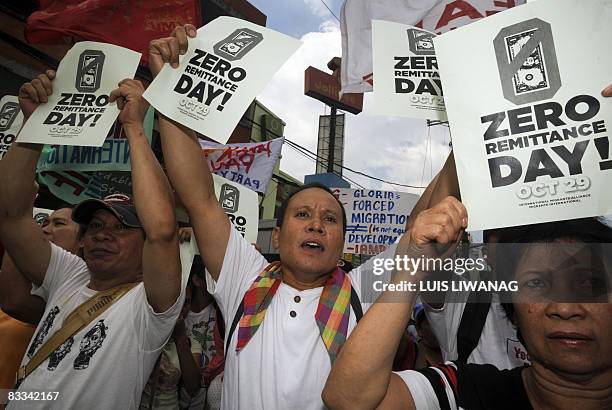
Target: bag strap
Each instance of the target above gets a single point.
(355, 304)
(77, 320)
(472, 322)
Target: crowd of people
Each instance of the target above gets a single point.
(95, 302)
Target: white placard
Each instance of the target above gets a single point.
(406, 79)
(225, 67)
(529, 124)
(374, 219)
(41, 214)
(239, 203)
(11, 119)
(78, 111)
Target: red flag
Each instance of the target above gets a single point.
(128, 23)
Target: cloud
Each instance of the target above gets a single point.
(389, 148)
(317, 8)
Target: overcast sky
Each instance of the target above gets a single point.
(389, 148)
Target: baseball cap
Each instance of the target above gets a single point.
(119, 205)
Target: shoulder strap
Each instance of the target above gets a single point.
(77, 320)
(472, 322)
(235, 322)
(355, 304)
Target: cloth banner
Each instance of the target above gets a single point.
(437, 16)
(250, 165)
(130, 24)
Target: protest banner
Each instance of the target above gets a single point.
(250, 165)
(11, 119)
(407, 83)
(225, 67)
(130, 24)
(529, 124)
(436, 16)
(78, 112)
(374, 219)
(75, 186)
(113, 155)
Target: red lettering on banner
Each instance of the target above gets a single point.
(508, 3)
(61, 180)
(238, 157)
(465, 10)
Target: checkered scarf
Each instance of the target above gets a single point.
(332, 314)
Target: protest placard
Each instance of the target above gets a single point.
(250, 165)
(225, 67)
(374, 219)
(113, 155)
(11, 119)
(406, 79)
(436, 16)
(41, 214)
(529, 124)
(78, 112)
(239, 203)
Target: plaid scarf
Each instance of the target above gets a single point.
(332, 314)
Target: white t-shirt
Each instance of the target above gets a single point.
(285, 364)
(200, 326)
(498, 344)
(106, 364)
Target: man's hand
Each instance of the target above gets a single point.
(129, 100)
(607, 92)
(441, 224)
(36, 92)
(168, 49)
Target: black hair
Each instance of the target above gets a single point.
(587, 230)
(283, 208)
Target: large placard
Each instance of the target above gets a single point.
(79, 112)
(529, 123)
(407, 82)
(225, 67)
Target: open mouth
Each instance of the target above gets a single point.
(313, 246)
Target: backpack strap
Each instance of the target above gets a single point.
(355, 304)
(472, 322)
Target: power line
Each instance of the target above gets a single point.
(330, 10)
(335, 163)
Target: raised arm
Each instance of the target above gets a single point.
(186, 167)
(15, 298)
(22, 238)
(153, 200)
(361, 377)
(444, 184)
